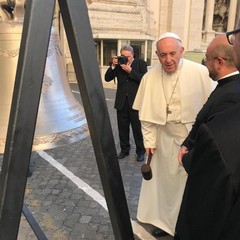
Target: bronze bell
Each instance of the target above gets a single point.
(61, 118)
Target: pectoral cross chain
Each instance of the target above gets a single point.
(168, 110)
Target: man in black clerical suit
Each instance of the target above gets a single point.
(128, 71)
(211, 201)
(219, 61)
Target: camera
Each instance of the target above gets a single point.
(122, 60)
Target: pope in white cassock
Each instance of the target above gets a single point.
(168, 99)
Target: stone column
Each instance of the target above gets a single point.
(232, 15)
(208, 33)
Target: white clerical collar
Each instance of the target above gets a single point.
(228, 75)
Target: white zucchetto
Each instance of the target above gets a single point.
(168, 34)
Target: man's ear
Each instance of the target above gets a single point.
(220, 60)
(182, 50)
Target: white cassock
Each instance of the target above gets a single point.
(185, 92)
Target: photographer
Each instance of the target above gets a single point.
(128, 72)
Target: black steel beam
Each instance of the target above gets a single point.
(23, 115)
(83, 52)
(33, 223)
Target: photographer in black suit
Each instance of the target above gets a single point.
(128, 71)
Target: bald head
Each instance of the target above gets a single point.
(219, 58)
(219, 47)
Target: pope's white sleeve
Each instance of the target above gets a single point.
(149, 131)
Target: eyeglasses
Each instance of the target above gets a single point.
(205, 59)
(231, 36)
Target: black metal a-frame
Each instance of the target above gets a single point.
(25, 102)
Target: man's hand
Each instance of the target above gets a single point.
(150, 150)
(183, 150)
(114, 61)
(126, 68)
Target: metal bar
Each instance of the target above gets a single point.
(26, 96)
(33, 223)
(83, 52)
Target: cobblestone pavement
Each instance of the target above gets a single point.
(63, 209)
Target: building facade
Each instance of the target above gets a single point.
(139, 23)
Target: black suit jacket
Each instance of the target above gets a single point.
(225, 95)
(211, 203)
(127, 83)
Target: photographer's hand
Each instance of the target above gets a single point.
(114, 61)
(126, 68)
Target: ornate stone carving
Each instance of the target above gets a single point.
(220, 15)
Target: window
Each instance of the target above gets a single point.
(139, 49)
(149, 53)
(109, 50)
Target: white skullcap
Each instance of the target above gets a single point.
(168, 34)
